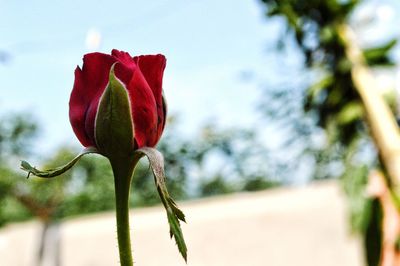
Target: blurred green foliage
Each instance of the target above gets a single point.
(191, 167)
(332, 96)
(330, 103)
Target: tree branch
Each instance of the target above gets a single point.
(382, 122)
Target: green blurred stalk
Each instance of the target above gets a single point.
(123, 172)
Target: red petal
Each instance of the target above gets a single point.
(77, 110)
(144, 111)
(90, 83)
(124, 57)
(152, 67)
(127, 66)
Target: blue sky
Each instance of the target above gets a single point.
(208, 45)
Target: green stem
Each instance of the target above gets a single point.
(123, 171)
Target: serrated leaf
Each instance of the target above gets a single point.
(54, 171)
(174, 214)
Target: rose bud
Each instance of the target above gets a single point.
(117, 104)
(117, 109)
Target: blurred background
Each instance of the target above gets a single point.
(268, 145)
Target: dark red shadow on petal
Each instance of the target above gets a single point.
(77, 110)
(89, 84)
(152, 67)
(144, 111)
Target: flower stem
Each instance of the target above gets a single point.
(123, 171)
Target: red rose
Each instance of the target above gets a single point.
(117, 109)
(115, 97)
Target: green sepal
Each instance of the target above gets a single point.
(114, 124)
(55, 171)
(174, 214)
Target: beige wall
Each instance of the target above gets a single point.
(281, 227)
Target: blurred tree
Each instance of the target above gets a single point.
(16, 134)
(340, 100)
(231, 160)
(225, 160)
(215, 161)
(43, 199)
